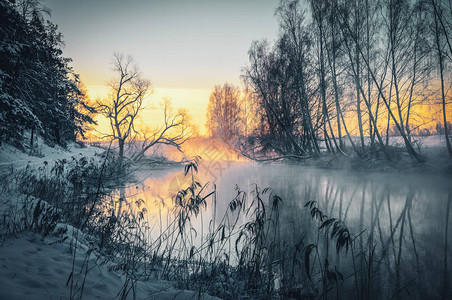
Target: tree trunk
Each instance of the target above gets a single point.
(389, 116)
(357, 78)
(443, 96)
(121, 149)
(349, 136)
(332, 63)
(32, 137)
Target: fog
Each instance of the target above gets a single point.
(397, 220)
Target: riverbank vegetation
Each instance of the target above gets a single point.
(342, 78)
(243, 251)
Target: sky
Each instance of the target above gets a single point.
(184, 47)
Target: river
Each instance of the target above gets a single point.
(398, 221)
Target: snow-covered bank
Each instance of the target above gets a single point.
(40, 257)
(120, 246)
(431, 148)
(12, 157)
(32, 268)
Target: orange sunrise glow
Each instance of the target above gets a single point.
(238, 149)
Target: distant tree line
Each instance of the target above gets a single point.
(39, 92)
(224, 112)
(350, 72)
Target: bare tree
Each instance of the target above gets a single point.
(357, 32)
(297, 41)
(175, 131)
(125, 101)
(347, 30)
(333, 42)
(442, 36)
(225, 113)
(320, 16)
(369, 58)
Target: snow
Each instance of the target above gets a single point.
(31, 268)
(436, 141)
(12, 157)
(35, 268)
(432, 141)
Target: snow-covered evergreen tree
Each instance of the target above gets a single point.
(39, 91)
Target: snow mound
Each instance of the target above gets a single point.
(31, 268)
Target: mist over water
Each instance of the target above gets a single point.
(397, 220)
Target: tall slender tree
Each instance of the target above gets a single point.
(125, 101)
(441, 37)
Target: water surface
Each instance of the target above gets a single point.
(401, 219)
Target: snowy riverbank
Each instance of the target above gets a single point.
(42, 258)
